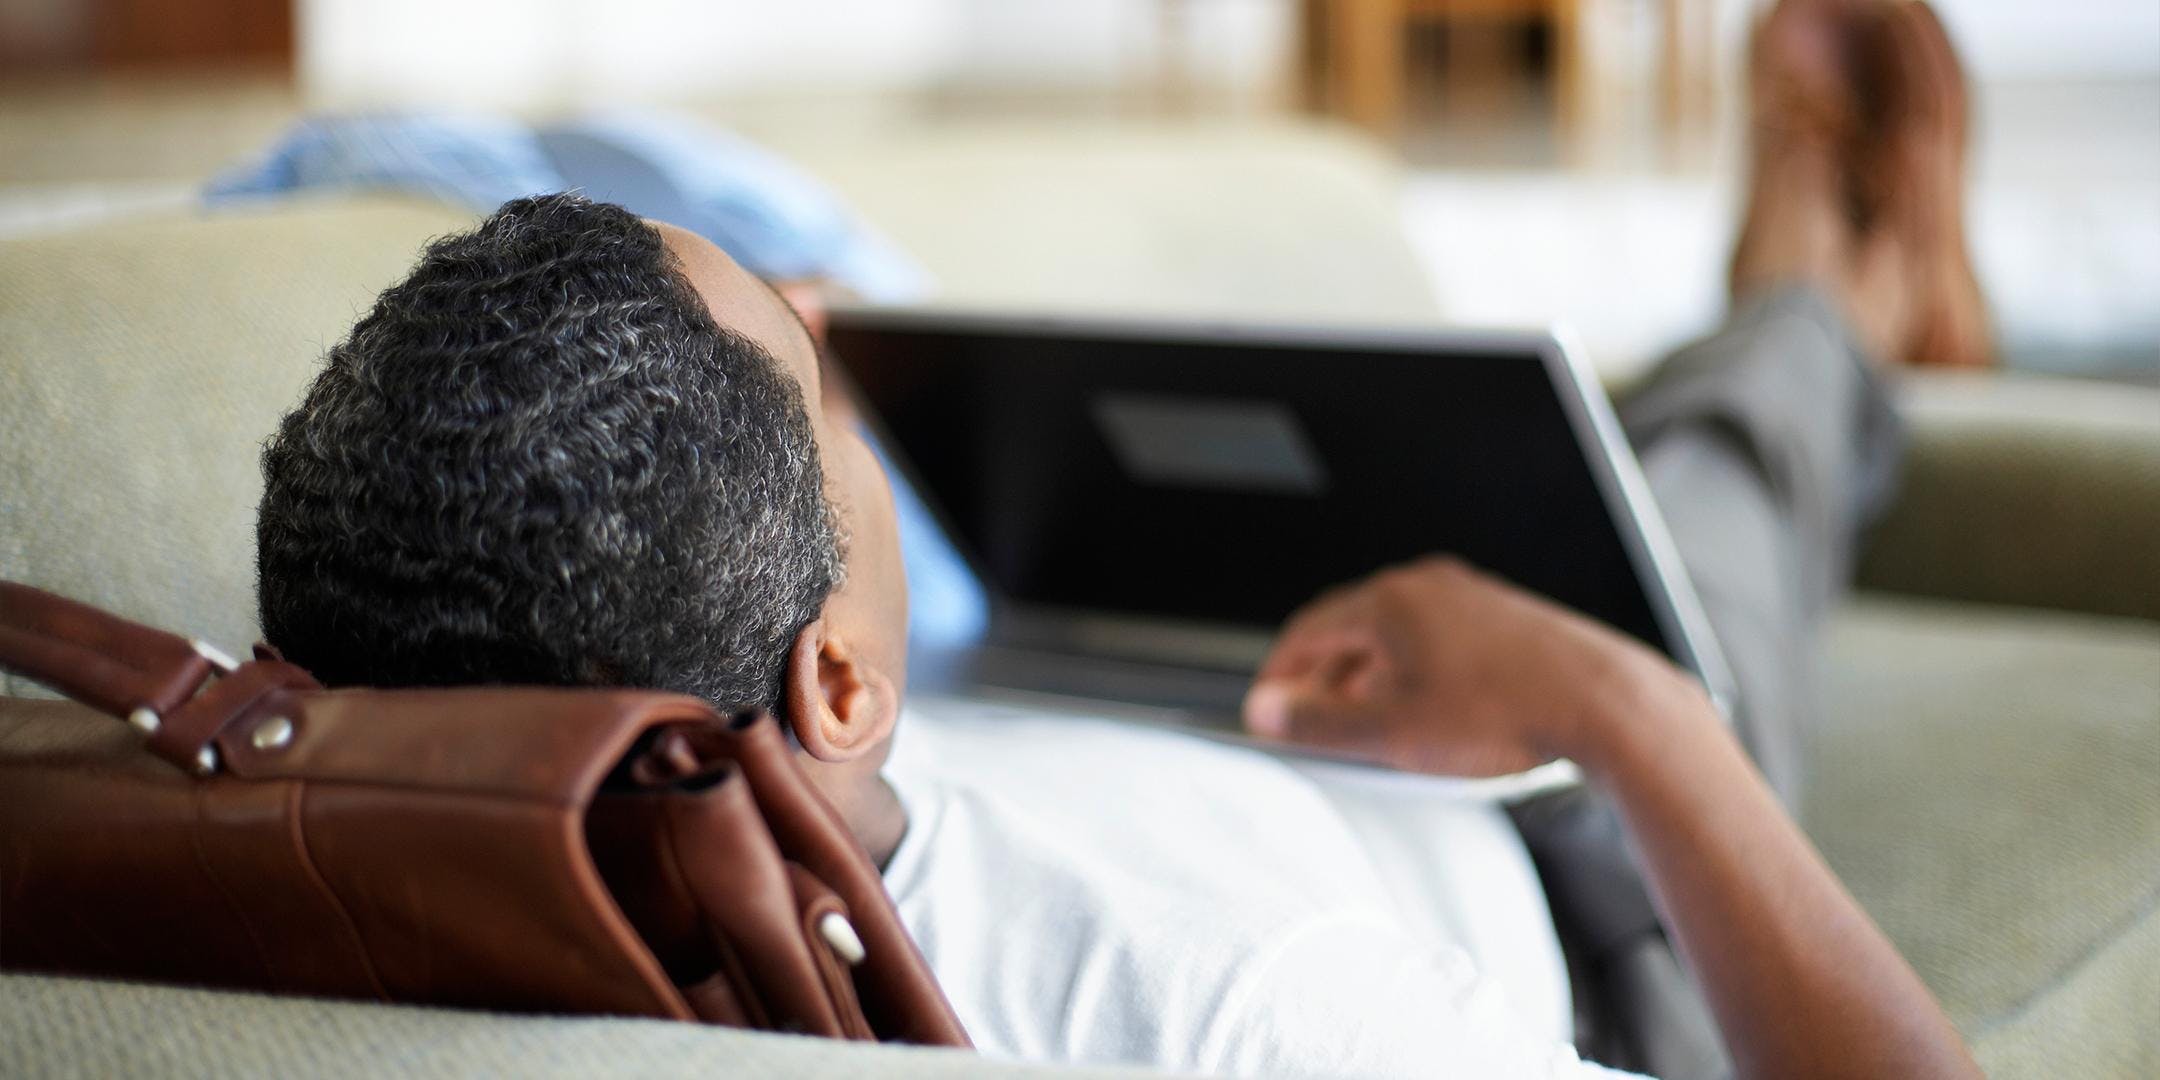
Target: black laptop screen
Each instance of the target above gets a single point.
(1229, 481)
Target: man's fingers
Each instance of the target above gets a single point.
(1307, 713)
(1318, 635)
(1316, 653)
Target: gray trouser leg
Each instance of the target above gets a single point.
(1767, 445)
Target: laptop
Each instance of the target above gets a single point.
(1145, 501)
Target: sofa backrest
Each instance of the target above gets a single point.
(144, 363)
(2025, 491)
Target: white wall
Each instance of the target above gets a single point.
(545, 52)
(548, 52)
(515, 53)
(669, 48)
(1040, 43)
(2056, 39)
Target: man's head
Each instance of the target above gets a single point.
(574, 448)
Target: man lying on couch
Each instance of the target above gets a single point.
(574, 447)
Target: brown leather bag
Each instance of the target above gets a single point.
(551, 850)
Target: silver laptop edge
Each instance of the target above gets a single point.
(1650, 543)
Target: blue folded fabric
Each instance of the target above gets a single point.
(477, 162)
(776, 220)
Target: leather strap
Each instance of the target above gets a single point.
(903, 998)
(151, 678)
(101, 660)
(189, 730)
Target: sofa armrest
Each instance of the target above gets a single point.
(2027, 491)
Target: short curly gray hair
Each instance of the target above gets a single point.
(539, 460)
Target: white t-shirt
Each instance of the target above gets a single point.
(1089, 891)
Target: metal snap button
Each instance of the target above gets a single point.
(840, 935)
(275, 733)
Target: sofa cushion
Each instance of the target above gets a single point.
(80, 1027)
(145, 362)
(1985, 783)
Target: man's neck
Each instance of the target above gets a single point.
(867, 805)
(881, 825)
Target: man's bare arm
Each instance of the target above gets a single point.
(1439, 668)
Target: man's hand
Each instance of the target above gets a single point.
(1437, 667)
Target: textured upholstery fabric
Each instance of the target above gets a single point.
(1985, 777)
(144, 365)
(2027, 491)
(55, 1028)
(1984, 782)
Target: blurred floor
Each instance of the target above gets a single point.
(1619, 230)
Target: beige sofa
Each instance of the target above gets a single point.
(1989, 771)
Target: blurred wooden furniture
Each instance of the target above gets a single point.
(1355, 52)
(76, 35)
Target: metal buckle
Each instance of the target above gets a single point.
(218, 658)
(146, 720)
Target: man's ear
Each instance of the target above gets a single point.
(837, 704)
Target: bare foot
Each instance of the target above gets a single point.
(1878, 296)
(1857, 176)
(1911, 177)
(1803, 112)
(1801, 221)
(1796, 230)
